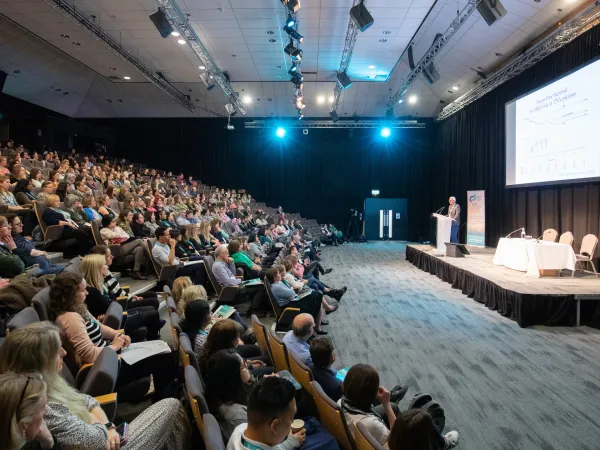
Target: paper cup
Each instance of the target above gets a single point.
(297, 426)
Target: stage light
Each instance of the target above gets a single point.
(412, 99)
(294, 52)
(293, 34)
(331, 99)
(320, 99)
(175, 33)
(455, 88)
(205, 79)
(293, 69)
(385, 132)
(400, 101)
(280, 132)
(375, 192)
(201, 67)
(127, 78)
(297, 79)
(290, 22)
(247, 100)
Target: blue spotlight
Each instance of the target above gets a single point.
(290, 22)
(280, 132)
(385, 132)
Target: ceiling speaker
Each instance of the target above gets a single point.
(160, 21)
(344, 80)
(491, 10)
(361, 16)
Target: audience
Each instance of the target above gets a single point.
(322, 356)
(8, 199)
(415, 429)
(53, 215)
(163, 253)
(296, 340)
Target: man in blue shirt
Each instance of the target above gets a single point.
(296, 340)
(163, 253)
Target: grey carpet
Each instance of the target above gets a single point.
(502, 387)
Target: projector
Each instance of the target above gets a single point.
(230, 127)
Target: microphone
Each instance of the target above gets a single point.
(439, 210)
(513, 232)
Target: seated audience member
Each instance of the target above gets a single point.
(163, 253)
(290, 263)
(271, 409)
(181, 219)
(24, 248)
(150, 222)
(125, 220)
(53, 215)
(89, 207)
(8, 199)
(23, 193)
(138, 228)
(207, 240)
(74, 208)
(17, 173)
(84, 337)
(225, 334)
(323, 356)
(242, 259)
(415, 429)
(179, 285)
(361, 390)
(217, 232)
(190, 234)
(183, 249)
(48, 187)
(4, 170)
(98, 300)
(197, 319)
(285, 296)
(75, 421)
(23, 399)
(296, 340)
(114, 289)
(112, 234)
(104, 207)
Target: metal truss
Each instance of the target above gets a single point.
(179, 21)
(554, 41)
(255, 124)
(427, 59)
(96, 33)
(351, 36)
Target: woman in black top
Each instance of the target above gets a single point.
(137, 226)
(23, 193)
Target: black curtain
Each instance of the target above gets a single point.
(469, 154)
(321, 175)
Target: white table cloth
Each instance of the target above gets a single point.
(531, 256)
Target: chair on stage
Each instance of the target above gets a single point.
(566, 238)
(550, 235)
(586, 254)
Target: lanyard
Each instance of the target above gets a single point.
(250, 445)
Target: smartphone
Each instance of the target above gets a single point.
(123, 431)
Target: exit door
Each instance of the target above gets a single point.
(386, 218)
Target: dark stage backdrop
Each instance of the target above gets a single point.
(321, 175)
(469, 154)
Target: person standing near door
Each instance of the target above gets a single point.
(454, 214)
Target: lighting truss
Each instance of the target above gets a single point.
(427, 59)
(94, 31)
(256, 124)
(351, 36)
(179, 22)
(564, 34)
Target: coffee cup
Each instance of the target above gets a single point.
(297, 426)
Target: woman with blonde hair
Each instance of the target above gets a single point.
(76, 420)
(23, 400)
(206, 238)
(189, 294)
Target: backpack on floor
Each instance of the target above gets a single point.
(433, 408)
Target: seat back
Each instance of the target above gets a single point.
(185, 350)
(550, 235)
(95, 225)
(175, 328)
(23, 318)
(278, 351)
(213, 439)
(332, 418)
(261, 336)
(365, 440)
(196, 399)
(208, 265)
(588, 245)
(566, 238)
(276, 308)
(171, 304)
(102, 377)
(301, 373)
(39, 208)
(41, 304)
(157, 267)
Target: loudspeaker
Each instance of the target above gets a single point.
(160, 21)
(361, 16)
(344, 80)
(491, 10)
(3, 76)
(334, 116)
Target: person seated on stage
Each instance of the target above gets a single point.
(323, 356)
(76, 420)
(296, 340)
(24, 248)
(112, 234)
(163, 253)
(242, 259)
(271, 410)
(285, 296)
(415, 429)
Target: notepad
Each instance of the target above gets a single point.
(142, 350)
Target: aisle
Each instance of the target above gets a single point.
(502, 387)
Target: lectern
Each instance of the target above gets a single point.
(444, 224)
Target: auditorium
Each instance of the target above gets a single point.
(299, 224)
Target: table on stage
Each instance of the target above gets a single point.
(531, 256)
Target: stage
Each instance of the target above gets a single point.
(550, 301)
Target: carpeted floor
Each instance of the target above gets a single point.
(502, 387)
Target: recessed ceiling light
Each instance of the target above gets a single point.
(127, 78)
(247, 100)
(455, 88)
(371, 66)
(383, 40)
(320, 99)
(175, 33)
(331, 99)
(180, 41)
(202, 68)
(272, 40)
(412, 99)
